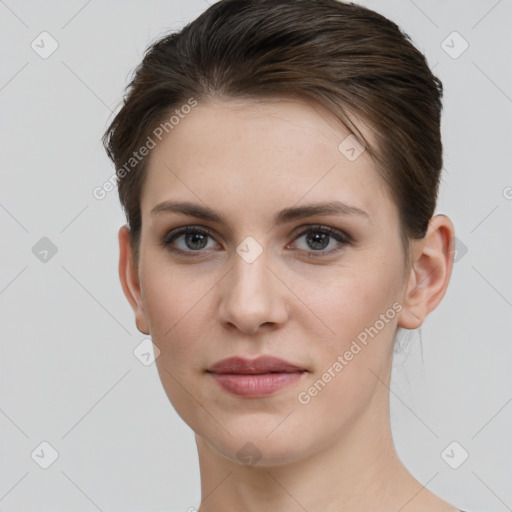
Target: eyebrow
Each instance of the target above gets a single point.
(285, 215)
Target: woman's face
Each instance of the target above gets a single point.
(265, 280)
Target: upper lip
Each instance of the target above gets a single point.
(260, 365)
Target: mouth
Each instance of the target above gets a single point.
(255, 378)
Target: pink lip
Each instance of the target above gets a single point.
(255, 378)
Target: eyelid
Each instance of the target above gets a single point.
(305, 228)
(183, 230)
(342, 237)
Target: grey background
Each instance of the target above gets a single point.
(68, 372)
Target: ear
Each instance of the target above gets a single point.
(129, 277)
(431, 268)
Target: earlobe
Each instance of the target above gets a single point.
(129, 278)
(430, 273)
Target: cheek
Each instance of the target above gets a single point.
(360, 309)
(175, 307)
(350, 299)
(348, 365)
(174, 303)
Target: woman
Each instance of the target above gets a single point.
(278, 164)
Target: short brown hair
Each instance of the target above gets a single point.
(343, 56)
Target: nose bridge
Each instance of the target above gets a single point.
(249, 297)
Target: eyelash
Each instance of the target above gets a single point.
(343, 239)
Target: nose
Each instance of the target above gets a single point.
(252, 297)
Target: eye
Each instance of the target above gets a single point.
(193, 240)
(189, 241)
(318, 238)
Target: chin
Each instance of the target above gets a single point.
(258, 446)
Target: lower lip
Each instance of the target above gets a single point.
(255, 386)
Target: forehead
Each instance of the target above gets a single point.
(252, 156)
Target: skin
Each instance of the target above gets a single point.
(247, 161)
